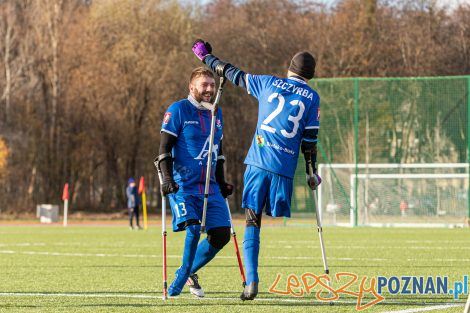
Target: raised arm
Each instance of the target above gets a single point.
(203, 51)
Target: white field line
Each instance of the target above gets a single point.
(437, 241)
(368, 247)
(72, 295)
(132, 296)
(430, 308)
(291, 244)
(283, 245)
(22, 244)
(74, 254)
(386, 241)
(297, 300)
(39, 294)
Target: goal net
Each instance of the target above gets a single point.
(400, 195)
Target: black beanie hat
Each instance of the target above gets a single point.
(303, 64)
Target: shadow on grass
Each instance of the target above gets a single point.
(264, 299)
(129, 305)
(257, 304)
(235, 294)
(10, 306)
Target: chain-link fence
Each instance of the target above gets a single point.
(393, 151)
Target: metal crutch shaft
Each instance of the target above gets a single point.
(209, 154)
(320, 232)
(165, 284)
(237, 251)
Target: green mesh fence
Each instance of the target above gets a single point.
(392, 151)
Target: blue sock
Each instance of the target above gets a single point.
(251, 253)
(190, 247)
(205, 253)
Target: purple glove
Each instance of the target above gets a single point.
(313, 181)
(201, 49)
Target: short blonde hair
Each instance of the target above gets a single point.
(200, 71)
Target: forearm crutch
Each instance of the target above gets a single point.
(467, 305)
(320, 231)
(213, 108)
(165, 285)
(234, 235)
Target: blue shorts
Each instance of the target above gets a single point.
(189, 207)
(266, 189)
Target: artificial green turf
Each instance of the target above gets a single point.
(113, 269)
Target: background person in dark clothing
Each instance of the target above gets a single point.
(133, 203)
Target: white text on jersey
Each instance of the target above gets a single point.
(279, 83)
(205, 150)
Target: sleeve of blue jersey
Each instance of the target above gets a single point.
(256, 84)
(251, 84)
(313, 118)
(172, 117)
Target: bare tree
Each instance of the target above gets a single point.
(9, 30)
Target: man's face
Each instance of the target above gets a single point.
(202, 88)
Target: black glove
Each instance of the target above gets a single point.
(225, 189)
(169, 186)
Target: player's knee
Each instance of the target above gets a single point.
(218, 237)
(252, 219)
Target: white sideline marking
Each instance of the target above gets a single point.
(75, 254)
(168, 256)
(368, 247)
(431, 308)
(437, 240)
(292, 244)
(38, 294)
(303, 242)
(24, 244)
(125, 255)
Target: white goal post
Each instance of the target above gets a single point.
(371, 175)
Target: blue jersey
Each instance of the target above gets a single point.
(191, 126)
(287, 106)
(133, 200)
